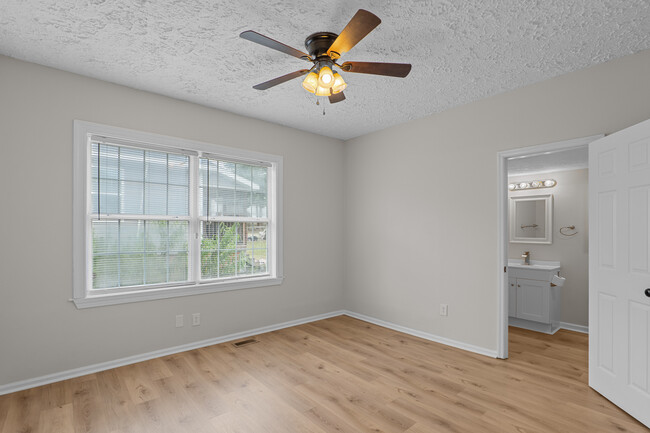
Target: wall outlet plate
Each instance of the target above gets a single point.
(196, 319)
(179, 320)
(444, 309)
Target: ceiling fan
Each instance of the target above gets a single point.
(325, 49)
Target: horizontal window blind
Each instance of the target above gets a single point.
(126, 183)
(141, 145)
(231, 190)
(134, 253)
(134, 181)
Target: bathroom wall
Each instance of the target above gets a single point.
(569, 208)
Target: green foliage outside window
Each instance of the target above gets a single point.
(219, 254)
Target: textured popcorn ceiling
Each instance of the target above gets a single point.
(461, 51)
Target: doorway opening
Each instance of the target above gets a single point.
(542, 214)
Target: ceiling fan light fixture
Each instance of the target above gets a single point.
(326, 77)
(339, 84)
(310, 83)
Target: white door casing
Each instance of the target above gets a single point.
(619, 269)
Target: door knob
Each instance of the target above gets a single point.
(647, 292)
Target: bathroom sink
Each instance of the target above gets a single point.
(541, 265)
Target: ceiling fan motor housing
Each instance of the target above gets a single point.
(318, 43)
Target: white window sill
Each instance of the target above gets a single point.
(173, 292)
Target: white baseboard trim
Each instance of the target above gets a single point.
(431, 337)
(574, 327)
(94, 368)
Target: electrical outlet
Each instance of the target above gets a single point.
(196, 319)
(179, 320)
(444, 309)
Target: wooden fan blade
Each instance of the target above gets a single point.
(338, 97)
(377, 68)
(362, 23)
(273, 44)
(274, 82)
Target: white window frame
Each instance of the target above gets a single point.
(84, 296)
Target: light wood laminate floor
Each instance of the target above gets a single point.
(335, 375)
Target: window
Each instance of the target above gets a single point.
(158, 217)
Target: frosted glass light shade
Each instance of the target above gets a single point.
(339, 84)
(323, 91)
(310, 83)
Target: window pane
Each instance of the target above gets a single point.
(156, 167)
(226, 193)
(131, 269)
(105, 271)
(231, 249)
(243, 200)
(156, 236)
(134, 181)
(127, 253)
(178, 267)
(260, 192)
(178, 200)
(178, 235)
(155, 202)
(231, 189)
(259, 209)
(243, 190)
(131, 197)
(259, 179)
(225, 202)
(131, 164)
(106, 166)
(108, 196)
(156, 268)
(179, 169)
(260, 259)
(105, 237)
(132, 236)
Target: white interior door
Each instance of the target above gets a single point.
(619, 269)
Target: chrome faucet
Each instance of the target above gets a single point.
(526, 257)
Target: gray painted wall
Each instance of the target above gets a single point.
(40, 331)
(421, 210)
(404, 219)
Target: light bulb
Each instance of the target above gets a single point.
(512, 187)
(549, 183)
(523, 185)
(537, 183)
(339, 84)
(310, 83)
(325, 77)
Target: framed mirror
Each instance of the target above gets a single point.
(531, 219)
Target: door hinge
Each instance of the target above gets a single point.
(505, 269)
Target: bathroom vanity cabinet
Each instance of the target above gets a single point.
(533, 302)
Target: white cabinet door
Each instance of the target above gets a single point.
(619, 269)
(533, 297)
(512, 297)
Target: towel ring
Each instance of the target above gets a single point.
(573, 228)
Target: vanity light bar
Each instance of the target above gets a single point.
(535, 184)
